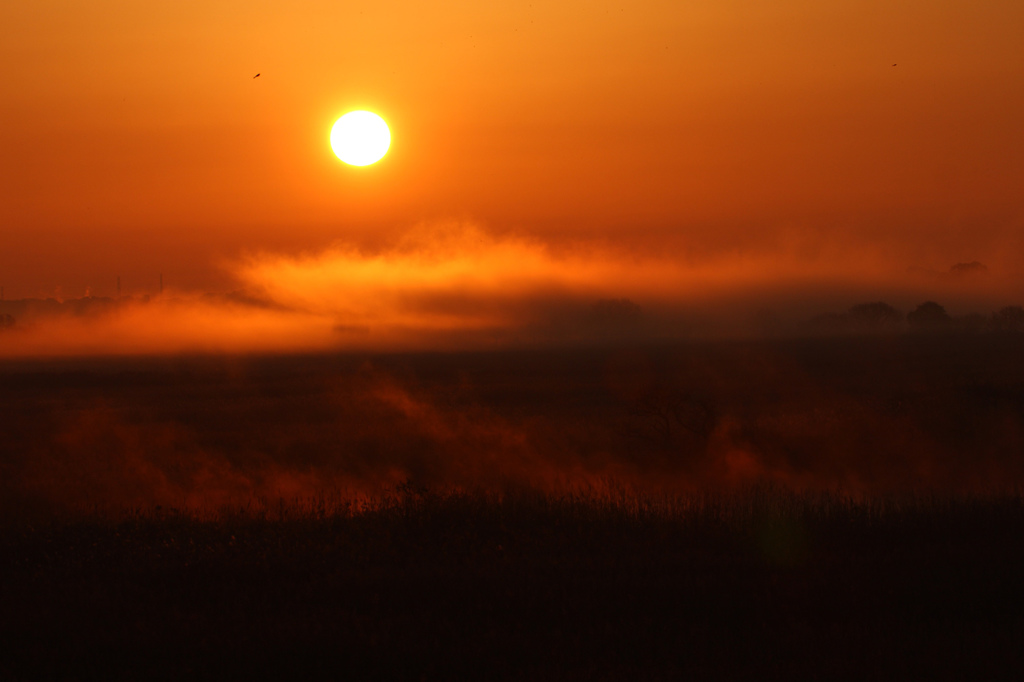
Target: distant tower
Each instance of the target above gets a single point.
(119, 286)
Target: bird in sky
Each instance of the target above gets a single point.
(257, 75)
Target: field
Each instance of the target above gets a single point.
(421, 586)
(830, 508)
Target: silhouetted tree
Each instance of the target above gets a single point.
(863, 317)
(613, 319)
(1008, 320)
(929, 316)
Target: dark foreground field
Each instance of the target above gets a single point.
(863, 415)
(758, 585)
(628, 515)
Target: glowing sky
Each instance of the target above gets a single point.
(134, 139)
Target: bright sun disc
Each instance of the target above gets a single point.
(360, 138)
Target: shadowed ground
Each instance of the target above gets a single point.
(601, 513)
(764, 584)
(862, 415)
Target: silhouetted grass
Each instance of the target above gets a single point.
(134, 543)
(873, 415)
(763, 583)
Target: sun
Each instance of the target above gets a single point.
(360, 138)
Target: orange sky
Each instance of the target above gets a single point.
(134, 140)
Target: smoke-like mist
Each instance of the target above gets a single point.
(863, 417)
(459, 286)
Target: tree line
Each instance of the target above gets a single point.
(927, 317)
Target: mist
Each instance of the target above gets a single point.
(862, 417)
(451, 286)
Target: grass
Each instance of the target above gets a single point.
(417, 584)
(128, 550)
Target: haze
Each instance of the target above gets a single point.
(751, 142)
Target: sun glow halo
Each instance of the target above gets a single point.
(360, 138)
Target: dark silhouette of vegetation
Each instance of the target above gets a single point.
(929, 317)
(862, 318)
(615, 319)
(764, 584)
(1008, 320)
(888, 413)
(143, 534)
